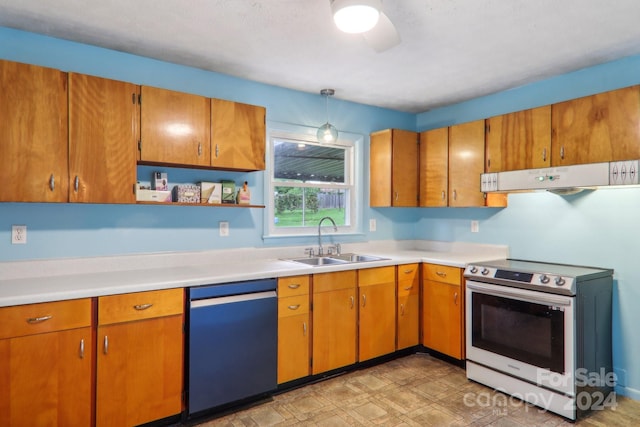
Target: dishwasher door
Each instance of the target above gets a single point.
(232, 343)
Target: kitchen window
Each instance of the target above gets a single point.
(309, 181)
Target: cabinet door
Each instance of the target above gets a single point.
(139, 371)
(377, 321)
(442, 316)
(598, 128)
(408, 306)
(238, 135)
(45, 379)
(393, 173)
(103, 133)
(434, 167)
(33, 134)
(520, 140)
(334, 329)
(293, 347)
(466, 164)
(175, 128)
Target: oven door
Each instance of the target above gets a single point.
(523, 333)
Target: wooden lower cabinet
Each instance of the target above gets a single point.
(377, 317)
(408, 306)
(139, 357)
(443, 309)
(334, 320)
(294, 329)
(47, 364)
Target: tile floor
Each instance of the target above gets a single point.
(416, 390)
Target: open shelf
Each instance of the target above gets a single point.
(216, 205)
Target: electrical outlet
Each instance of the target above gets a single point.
(18, 234)
(475, 226)
(224, 228)
(372, 225)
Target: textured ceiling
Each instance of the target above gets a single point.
(451, 50)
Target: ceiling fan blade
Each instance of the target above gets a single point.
(383, 36)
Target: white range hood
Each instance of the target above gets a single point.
(562, 178)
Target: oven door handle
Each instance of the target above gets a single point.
(539, 298)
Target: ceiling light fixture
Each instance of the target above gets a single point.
(356, 16)
(327, 132)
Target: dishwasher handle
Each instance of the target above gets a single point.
(232, 299)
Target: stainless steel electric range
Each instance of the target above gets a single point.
(541, 332)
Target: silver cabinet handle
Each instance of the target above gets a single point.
(441, 273)
(82, 348)
(562, 152)
(401, 309)
(455, 195)
(141, 307)
(217, 151)
(294, 286)
(396, 196)
(105, 349)
(52, 182)
(199, 149)
(544, 154)
(294, 307)
(352, 301)
(76, 184)
(443, 194)
(364, 300)
(455, 298)
(408, 271)
(304, 329)
(33, 320)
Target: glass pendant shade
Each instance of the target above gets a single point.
(327, 133)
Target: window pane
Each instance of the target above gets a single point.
(305, 162)
(304, 207)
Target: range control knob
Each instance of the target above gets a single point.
(560, 281)
(544, 279)
(473, 269)
(485, 271)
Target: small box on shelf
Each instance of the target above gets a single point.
(186, 193)
(228, 192)
(145, 194)
(210, 192)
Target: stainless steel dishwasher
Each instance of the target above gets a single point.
(231, 343)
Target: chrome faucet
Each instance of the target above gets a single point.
(335, 228)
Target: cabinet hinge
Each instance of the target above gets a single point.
(487, 128)
(140, 145)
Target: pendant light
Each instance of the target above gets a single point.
(327, 132)
(356, 16)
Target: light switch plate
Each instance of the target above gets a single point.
(18, 234)
(224, 228)
(475, 226)
(372, 225)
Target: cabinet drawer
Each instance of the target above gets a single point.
(292, 306)
(408, 283)
(32, 319)
(326, 282)
(442, 273)
(376, 276)
(295, 285)
(140, 305)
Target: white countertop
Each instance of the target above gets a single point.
(25, 282)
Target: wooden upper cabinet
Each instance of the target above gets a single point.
(238, 135)
(393, 169)
(103, 132)
(598, 128)
(33, 134)
(520, 140)
(175, 128)
(434, 167)
(466, 164)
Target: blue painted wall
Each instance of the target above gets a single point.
(598, 228)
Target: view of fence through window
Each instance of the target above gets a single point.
(310, 182)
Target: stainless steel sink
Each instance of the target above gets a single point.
(319, 261)
(358, 258)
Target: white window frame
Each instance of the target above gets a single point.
(292, 133)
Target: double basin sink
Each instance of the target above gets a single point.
(319, 261)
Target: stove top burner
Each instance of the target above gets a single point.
(540, 276)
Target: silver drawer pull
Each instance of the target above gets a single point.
(401, 309)
(304, 329)
(142, 306)
(33, 320)
(294, 286)
(105, 348)
(294, 307)
(441, 274)
(408, 271)
(82, 348)
(408, 288)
